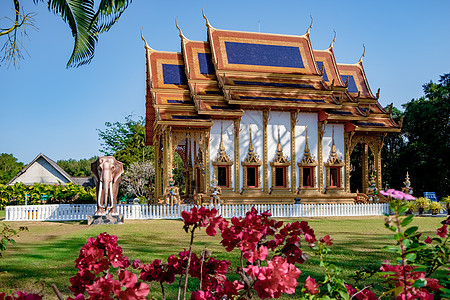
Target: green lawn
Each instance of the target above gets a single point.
(46, 253)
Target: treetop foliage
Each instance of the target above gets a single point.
(9, 167)
(77, 168)
(126, 141)
(422, 146)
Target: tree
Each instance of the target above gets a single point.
(427, 131)
(394, 144)
(136, 180)
(126, 141)
(9, 167)
(86, 21)
(77, 168)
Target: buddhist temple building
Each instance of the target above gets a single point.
(266, 115)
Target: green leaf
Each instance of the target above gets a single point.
(398, 290)
(411, 230)
(391, 249)
(343, 294)
(402, 209)
(420, 283)
(407, 242)
(411, 256)
(407, 220)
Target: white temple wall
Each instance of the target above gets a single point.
(306, 120)
(327, 143)
(282, 120)
(254, 120)
(228, 141)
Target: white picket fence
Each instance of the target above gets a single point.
(72, 212)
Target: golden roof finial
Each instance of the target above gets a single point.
(204, 17)
(310, 26)
(179, 29)
(334, 40)
(364, 52)
(146, 46)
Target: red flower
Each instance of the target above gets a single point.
(442, 232)
(326, 240)
(311, 286)
(428, 240)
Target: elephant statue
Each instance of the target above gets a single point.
(107, 175)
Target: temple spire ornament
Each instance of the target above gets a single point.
(222, 153)
(251, 155)
(334, 158)
(307, 157)
(279, 157)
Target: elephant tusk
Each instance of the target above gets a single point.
(111, 195)
(100, 195)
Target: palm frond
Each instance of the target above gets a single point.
(86, 24)
(108, 13)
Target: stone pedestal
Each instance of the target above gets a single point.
(105, 220)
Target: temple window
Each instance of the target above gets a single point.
(307, 170)
(221, 165)
(334, 177)
(307, 180)
(252, 174)
(223, 176)
(280, 176)
(279, 165)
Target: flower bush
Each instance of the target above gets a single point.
(270, 254)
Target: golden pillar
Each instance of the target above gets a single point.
(377, 163)
(265, 153)
(293, 157)
(206, 159)
(157, 188)
(365, 167)
(237, 182)
(347, 166)
(321, 132)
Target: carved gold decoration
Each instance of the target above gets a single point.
(265, 153)
(252, 159)
(280, 160)
(237, 175)
(407, 188)
(307, 161)
(293, 153)
(321, 132)
(223, 159)
(334, 161)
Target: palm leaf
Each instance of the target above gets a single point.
(108, 13)
(86, 24)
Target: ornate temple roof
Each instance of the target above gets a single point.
(237, 70)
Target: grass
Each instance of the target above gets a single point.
(45, 254)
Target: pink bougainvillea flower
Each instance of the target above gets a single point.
(201, 295)
(442, 232)
(278, 277)
(327, 240)
(311, 286)
(428, 240)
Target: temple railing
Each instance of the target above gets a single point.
(74, 212)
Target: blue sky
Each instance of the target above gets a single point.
(50, 109)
